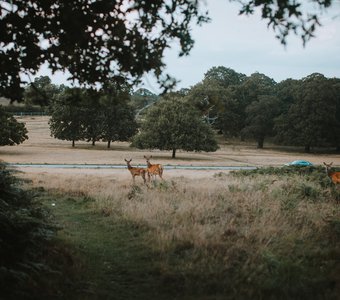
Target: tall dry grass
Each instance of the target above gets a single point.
(266, 233)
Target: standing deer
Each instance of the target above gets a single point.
(153, 170)
(334, 176)
(135, 171)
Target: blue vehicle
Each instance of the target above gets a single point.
(301, 163)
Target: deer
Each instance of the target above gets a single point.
(153, 170)
(135, 171)
(334, 176)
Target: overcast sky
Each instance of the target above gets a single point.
(245, 44)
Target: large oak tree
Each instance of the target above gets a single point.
(174, 124)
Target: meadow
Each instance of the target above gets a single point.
(270, 233)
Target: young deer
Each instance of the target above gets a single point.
(135, 171)
(334, 176)
(153, 170)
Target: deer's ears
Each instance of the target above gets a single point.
(128, 160)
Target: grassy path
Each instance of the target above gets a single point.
(112, 258)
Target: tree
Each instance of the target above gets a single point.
(253, 88)
(87, 114)
(260, 118)
(214, 97)
(11, 131)
(40, 92)
(286, 16)
(286, 92)
(97, 41)
(311, 121)
(66, 121)
(141, 98)
(174, 124)
(256, 85)
(118, 116)
(92, 116)
(336, 85)
(223, 76)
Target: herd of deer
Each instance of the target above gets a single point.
(153, 170)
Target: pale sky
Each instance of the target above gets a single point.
(246, 45)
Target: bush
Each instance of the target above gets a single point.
(24, 237)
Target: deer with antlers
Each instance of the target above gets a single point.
(334, 176)
(153, 170)
(135, 171)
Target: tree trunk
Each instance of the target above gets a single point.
(307, 148)
(73, 143)
(260, 142)
(93, 142)
(108, 144)
(337, 149)
(173, 153)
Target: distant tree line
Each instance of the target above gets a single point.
(87, 114)
(292, 112)
(303, 112)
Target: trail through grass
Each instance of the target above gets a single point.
(112, 258)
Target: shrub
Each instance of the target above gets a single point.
(24, 236)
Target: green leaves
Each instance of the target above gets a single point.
(79, 114)
(24, 237)
(174, 124)
(11, 131)
(93, 40)
(288, 16)
(312, 118)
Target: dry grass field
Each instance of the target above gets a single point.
(41, 148)
(213, 235)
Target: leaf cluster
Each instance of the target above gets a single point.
(41, 92)
(100, 41)
(288, 16)
(24, 236)
(95, 41)
(173, 124)
(11, 131)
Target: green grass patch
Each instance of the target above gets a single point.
(111, 257)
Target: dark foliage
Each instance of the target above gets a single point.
(92, 40)
(99, 40)
(174, 124)
(11, 131)
(25, 236)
